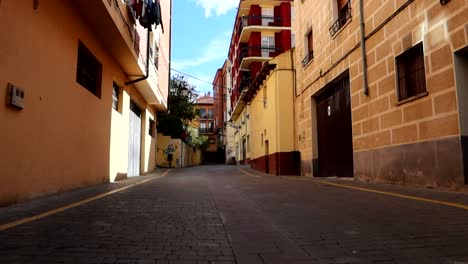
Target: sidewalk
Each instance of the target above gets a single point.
(426, 193)
(33, 207)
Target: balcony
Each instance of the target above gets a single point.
(120, 34)
(113, 23)
(206, 117)
(249, 54)
(249, 24)
(206, 130)
(309, 57)
(344, 15)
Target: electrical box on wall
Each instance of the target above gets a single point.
(16, 96)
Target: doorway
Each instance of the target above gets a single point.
(267, 157)
(461, 74)
(134, 141)
(244, 152)
(334, 130)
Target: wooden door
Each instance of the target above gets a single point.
(334, 131)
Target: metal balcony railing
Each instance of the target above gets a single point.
(205, 130)
(258, 51)
(270, 21)
(206, 117)
(343, 16)
(308, 58)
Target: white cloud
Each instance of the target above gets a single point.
(220, 7)
(217, 49)
(202, 87)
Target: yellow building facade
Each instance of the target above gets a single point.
(272, 119)
(396, 114)
(70, 118)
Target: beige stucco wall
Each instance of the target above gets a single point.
(65, 137)
(183, 155)
(378, 121)
(275, 122)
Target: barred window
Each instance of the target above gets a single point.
(89, 70)
(411, 73)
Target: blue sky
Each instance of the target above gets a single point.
(201, 32)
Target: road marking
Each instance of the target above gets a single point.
(457, 205)
(250, 174)
(66, 207)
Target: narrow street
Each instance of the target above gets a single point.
(230, 214)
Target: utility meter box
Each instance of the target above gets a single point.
(16, 96)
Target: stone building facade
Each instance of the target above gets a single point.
(397, 114)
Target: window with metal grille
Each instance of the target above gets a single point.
(411, 73)
(309, 48)
(156, 57)
(89, 70)
(115, 96)
(342, 14)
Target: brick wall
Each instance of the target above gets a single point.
(379, 120)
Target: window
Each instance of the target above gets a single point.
(210, 113)
(265, 97)
(411, 73)
(203, 113)
(156, 57)
(267, 16)
(309, 48)
(152, 128)
(115, 96)
(342, 15)
(89, 70)
(268, 45)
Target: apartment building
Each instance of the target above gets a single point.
(82, 83)
(220, 112)
(262, 31)
(381, 87)
(206, 126)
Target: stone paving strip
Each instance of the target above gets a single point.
(442, 197)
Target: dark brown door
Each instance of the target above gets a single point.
(334, 131)
(244, 152)
(267, 157)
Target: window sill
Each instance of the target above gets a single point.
(412, 98)
(342, 28)
(307, 64)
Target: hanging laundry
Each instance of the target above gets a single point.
(145, 18)
(138, 8)
(157, 20)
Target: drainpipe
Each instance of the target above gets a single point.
(170, 48)
(147, 61)
(363, 47)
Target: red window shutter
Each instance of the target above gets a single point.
(341, 4)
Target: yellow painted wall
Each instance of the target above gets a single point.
(183, 155)
(275, 121)
(65, 137)
(242, 124)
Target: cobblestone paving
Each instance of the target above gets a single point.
(218, 215)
